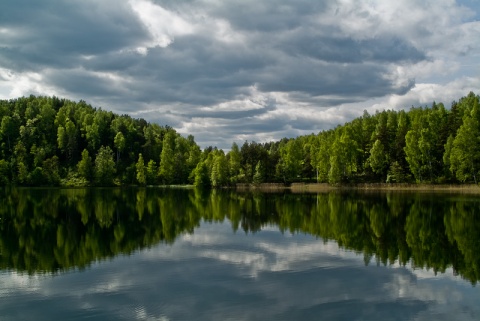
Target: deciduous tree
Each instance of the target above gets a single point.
(104, 166)
(140, 166)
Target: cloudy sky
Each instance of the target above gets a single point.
(240, 70)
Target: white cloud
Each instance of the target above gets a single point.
(425, 93)
(163, 25)
(13, 84)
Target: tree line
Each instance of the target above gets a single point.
(53, 141)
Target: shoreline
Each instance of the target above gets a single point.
(373, 187)
(309, 187)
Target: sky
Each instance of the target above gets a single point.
(238, 70)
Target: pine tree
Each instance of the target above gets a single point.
(259, 175)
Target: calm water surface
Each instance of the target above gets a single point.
(164, 254)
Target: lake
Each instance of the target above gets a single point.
(187, 254)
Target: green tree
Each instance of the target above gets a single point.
(201, 175)
(289, 165)
(219, 172)
(39, 155)
(234, 159)
(104, 166)
(4, 172)
(166, 170)
(141, 177)
(378, 158)
(119, 142)
(291, 158)
(448, 152)
(151, 172)
(152, 148)
(335, 171)
(413, 154)
(399, 157)
(93, 136)
(343, 155)
(323, 154)
(85, 166)
(465, 153)
(7, 130)
(50, 169)
(22, 173)
(67, 140)
(194, 154)
(259, 175)
(395, 173)
(20, 153)
(181, 155)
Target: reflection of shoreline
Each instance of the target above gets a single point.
(324, 187)
(57, 229)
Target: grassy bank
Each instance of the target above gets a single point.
(323, 187)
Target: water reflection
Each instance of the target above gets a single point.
(52, 230)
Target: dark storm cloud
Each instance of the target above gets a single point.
(185, 58)
(347, 50)
(233, 114)
(192, 70)
(86, 27)
(55, 33)
(198, 69)
(267, 16)
(330, 100)
(317, 78)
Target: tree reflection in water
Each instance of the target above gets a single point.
(52, 230)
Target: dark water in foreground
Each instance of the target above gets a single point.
(164, 254)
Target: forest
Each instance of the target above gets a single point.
(49, 141)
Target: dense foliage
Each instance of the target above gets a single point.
(52, 141)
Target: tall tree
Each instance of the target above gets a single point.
(465, 153)
(50, 169)
(398, 163)
(7, 130)
(290, 160)
(67, 139)
(151, 172)
(85, 166)
(4, 173)
(413, 154)
(378, 158)
(20, 153)
(104, 166)
(343, 155)
(167, 161)
(259, 175)
(219, 172)
(140, 166)
(119, 142)
(234, 158)
(201, 175)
